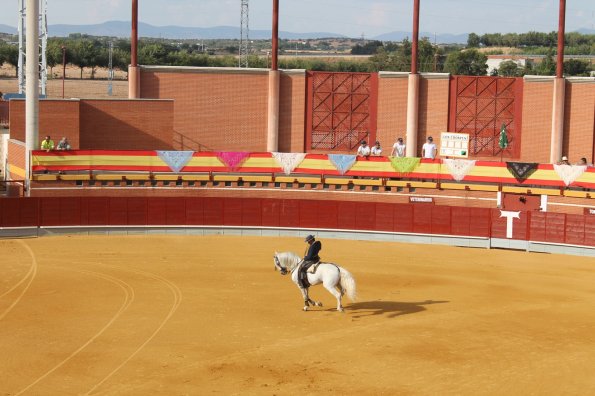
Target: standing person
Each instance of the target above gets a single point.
(376, 150)
(363, 150)
(428, 150)
(564, 161)
(398, 148)
(63, 144)
(47, 144)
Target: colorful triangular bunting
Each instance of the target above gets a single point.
(233, 159)
(343, 162)
(176, 160)
(459, 168)
(289, 161)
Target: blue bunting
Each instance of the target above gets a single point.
(343, 162)
(176, 160)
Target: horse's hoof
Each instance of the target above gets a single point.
(319, 303)
(340, 309)
(305, 308)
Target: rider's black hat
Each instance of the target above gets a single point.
(309, 238)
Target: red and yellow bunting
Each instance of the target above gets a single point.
(313, 164)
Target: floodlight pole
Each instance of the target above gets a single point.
(274, 82)
(32, 87)
(557, 137)
(413, 89)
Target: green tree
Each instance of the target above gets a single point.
(369, 48)
(473, 40)
(121, 59)
(469, 62)
(54, 54)
(547, 67)
(10, 54)
(576, 67)
(152, 54)
(2, 53)
(509, 68)
(85, 53)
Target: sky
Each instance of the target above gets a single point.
(352, 18)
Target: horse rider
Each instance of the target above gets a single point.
(311, 258)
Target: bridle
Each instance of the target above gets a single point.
(278, 265)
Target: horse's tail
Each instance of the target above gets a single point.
(348, 283)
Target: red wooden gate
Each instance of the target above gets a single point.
(480, 105)
(341, 110)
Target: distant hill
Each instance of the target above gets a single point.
(7, 29)
(122, 29)
(586, 31)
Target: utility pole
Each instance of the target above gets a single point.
(110, 74)
(43, 36)
(244, 35)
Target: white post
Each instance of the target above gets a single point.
(32, 85)
(21, 62)
(412, 115)
(273, 111)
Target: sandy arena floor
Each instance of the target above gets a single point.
(173, 315)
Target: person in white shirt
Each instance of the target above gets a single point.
(428, 150)
(376, 150)
(398, 148)
(363, 150)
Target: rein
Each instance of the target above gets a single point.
(283, 269)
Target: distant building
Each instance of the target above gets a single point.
(494, 61)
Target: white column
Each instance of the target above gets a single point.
(412, 115)
(32, 86)
(557, 139)
(273, 111)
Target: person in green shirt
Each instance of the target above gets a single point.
(47, 144)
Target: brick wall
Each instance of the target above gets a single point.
(126, 124)
(433, 108)
(292, 110)
(579, 120)
(100, 124)
(57, 118)
(537, 120)
(215, 109)
(16, 160)
(392, 109)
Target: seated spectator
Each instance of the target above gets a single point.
(564, 161)
(47, 144)
(363, 150)
(583, 161)
(376, 150)
(63, 144)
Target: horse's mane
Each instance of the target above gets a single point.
(288, 260)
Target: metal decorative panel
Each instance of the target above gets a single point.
(480, 106)
(341, 110)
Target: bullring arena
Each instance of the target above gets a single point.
(140, 260)
(189, 315)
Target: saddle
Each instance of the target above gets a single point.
(305, 268)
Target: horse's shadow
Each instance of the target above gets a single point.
(389, 308)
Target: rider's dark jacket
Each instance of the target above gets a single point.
(313, 250)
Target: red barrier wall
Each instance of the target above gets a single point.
(257, 212)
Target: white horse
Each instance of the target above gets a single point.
(335, 279)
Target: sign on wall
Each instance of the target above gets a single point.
(454, 145)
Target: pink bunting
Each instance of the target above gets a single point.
(233, 159)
